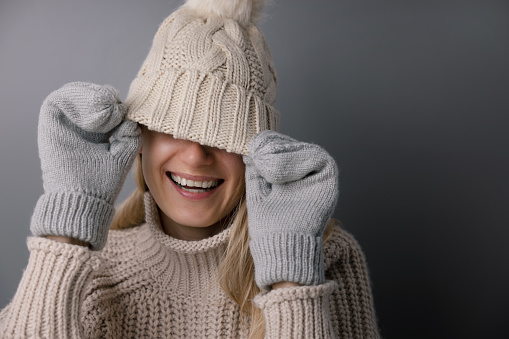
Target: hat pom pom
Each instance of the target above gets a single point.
(242, 11)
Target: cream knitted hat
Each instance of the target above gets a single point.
(209, 76)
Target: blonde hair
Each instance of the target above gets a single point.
(236, 272)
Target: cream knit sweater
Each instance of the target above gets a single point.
(145, 284)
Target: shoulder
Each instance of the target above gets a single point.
(119, 239)
(341, 246)
(119, 258)
(121, 246)
(121, 274)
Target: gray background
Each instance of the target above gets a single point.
(411, 98)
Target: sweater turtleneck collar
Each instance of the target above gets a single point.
(179, 266)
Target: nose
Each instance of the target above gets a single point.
(196, 155)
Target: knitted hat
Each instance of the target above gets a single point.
(209, 76)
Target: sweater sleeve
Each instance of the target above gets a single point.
(48, 301)
(340, 308)
(297, 312)
(351, 303)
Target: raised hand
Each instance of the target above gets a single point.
(86, 149)
(292, 189)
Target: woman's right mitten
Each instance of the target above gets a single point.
(86, 150)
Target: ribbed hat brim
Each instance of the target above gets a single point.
(199, 107)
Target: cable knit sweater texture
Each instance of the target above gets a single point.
(145, 284)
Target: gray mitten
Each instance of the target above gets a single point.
(292, 190)
(86, 149)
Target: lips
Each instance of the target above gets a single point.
(193, 185)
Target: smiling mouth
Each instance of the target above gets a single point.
(194, 186)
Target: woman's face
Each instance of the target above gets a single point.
(194, 186)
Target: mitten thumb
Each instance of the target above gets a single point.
(256, 185)
(126, 141)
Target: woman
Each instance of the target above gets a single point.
(228, 232)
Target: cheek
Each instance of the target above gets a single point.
(235, 165)
(146, 169)
(150, 164)
(154, 150)
(237, 173)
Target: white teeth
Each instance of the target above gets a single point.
(194, 183)
(193, 190)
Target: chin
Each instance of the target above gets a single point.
(193, 219)
(196, 223)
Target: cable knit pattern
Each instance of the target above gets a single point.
(210, 80)
(145, 284)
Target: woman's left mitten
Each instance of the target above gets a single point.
(292, 190)
(86, 150)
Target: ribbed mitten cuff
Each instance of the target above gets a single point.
(294, 257)
(75, 215)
